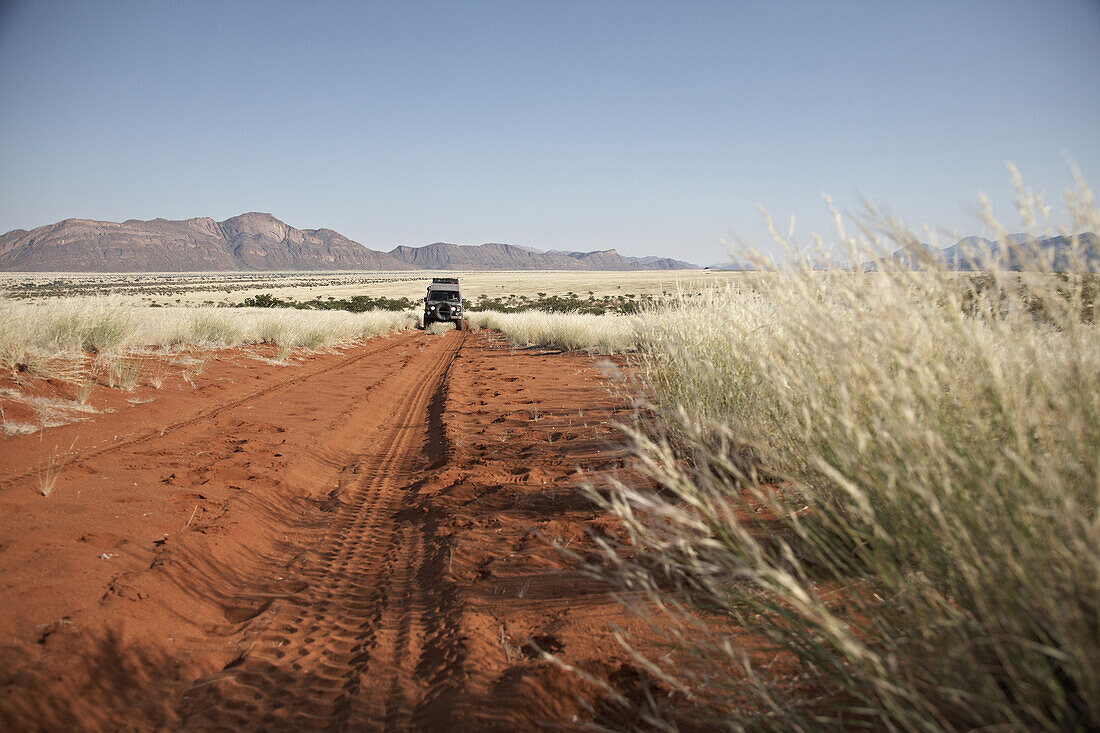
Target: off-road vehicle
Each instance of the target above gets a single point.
(444, 303)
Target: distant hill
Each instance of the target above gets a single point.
(494, 256)
(978, 253)
(250, 241)
(256, 241)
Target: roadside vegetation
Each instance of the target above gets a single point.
(603, 334)
(50, 340)
(876, 499)
(88, 341)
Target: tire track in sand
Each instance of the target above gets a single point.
(77, 457)
(367, 644)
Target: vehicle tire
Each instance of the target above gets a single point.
(427, 322)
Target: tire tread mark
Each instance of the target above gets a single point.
(331, 656)
(80, 457)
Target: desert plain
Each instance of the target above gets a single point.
(796, 499)
(232, 288)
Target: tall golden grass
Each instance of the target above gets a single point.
(52, 339)
(605, 334)
(876, 499)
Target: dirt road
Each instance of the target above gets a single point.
(358, 542)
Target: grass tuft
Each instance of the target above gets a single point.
(440, 328)
(49, 469)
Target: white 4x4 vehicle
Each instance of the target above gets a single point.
(443, 302)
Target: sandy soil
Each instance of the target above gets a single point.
(361, 541)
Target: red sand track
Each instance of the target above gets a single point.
(359, 542)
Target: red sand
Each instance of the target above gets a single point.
(359, 541)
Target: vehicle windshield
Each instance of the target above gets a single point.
(438, 296)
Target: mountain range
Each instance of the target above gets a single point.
(970, 254)
(256, 241)
(1016, 252)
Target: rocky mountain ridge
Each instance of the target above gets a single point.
(258, 241)
(497, 256)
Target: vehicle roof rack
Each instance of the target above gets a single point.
(449, 280)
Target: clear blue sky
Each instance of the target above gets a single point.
(653, 127)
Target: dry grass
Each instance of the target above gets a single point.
(50, 467)
(440, 328)
(50, 411)
(53, 340)
(878, 500)
(85, 342)
(606, 334)
(124, 371)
